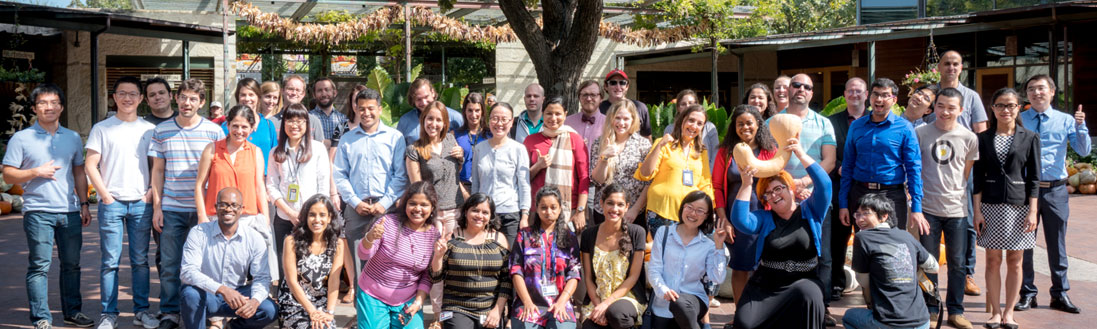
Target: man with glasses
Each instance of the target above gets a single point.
(1056, 130)
(949, 151)
(47, 161)
(225, 271)
(176, 149)
(118, 168)
(589, 121)
(529, 122)
(616, 85)
(158, 97)
(855, 94)
(368, 167)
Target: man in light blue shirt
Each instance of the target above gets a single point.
(217, 259)
(47, 160)
(369, 167)
(421, 94)
(1056, 130)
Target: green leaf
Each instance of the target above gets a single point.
(836, 105)
(415, 72)
(379, 80)
(453, 96)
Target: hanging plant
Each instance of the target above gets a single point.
(919, 77)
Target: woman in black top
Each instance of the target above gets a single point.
(1006, 182)
(613, 257)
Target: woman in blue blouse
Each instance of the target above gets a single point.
(785, 291)
(474, 132)
(677, 257)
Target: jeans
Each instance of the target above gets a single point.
(550, 324)
(969, 252)
(858, 318)
(136, 218)
(1053, 212)
(199, 304)
(42, 229)
(655, 222)
(282, 228)
(174, 235)
(824, 269)
(955, 231)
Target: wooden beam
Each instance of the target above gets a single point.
(304, 9)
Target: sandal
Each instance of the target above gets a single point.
(1009, 325)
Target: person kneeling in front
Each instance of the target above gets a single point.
(886, 262)
(217, 258)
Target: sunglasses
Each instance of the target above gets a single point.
(795, 85)
(617, 82)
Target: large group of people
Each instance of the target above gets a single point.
(539, 219)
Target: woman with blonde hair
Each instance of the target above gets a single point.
(270, 99)
(615, 156)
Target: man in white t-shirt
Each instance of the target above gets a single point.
(119, 170)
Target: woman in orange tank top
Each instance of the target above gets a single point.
(232, 162)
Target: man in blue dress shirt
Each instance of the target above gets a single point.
(880, 156)
(1056, 129)
(368, 167)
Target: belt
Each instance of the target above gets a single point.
(1052, 183)
(878, 186)
(371, 200)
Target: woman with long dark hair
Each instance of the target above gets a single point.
(746, 125)
(1006, 186)
(473, 268)
(475, 131)
(311, 285)
(676, 165)
(710, 137)
(397, 250)
(612, 255)
(545, 267)
(785, 291)
(761, 97)
(681, 256)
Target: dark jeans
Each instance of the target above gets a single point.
(898, 197)
(510, 223)
(619, 315)
(463, 321)
(839, 242)
(282, 228)
(655, 222)
(824, 270)
(199, 304)
(969, 253)
(1053, 213)
(688, 311)
(176, 227)
(42, 229)
(955, 231)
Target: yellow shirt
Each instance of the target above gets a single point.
(667, 191)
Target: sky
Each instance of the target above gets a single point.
(52, 3)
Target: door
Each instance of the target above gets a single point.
(989, 80)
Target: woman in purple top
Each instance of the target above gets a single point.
(545, 267)
(398, 249)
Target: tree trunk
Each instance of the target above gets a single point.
(715, 75)
(561, 49)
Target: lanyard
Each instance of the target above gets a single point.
(295, 167)
(551, 252)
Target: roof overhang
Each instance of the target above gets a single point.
(106, 22)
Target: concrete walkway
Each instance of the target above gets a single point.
(1082, 248)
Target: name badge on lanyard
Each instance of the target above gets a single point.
(687, 177)
(548, 284)
(292, 192)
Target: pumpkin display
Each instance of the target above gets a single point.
(5, 207)
(15, 190)
(1073, 180)
(1087, 188)
(782, 127)
(1087, 177)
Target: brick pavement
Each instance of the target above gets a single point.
(1082, 247)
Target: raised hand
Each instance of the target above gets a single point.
(457, 152)
(377, 231)
(1079, 116)
(543, 160)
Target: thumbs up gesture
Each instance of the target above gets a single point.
(377, 231)
(1079, 115)
(542, 161)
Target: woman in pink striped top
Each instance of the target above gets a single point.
(397, 251)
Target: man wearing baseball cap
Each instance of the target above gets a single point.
(216, 111)
(616, 85)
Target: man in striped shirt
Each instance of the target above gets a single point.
(176, 149)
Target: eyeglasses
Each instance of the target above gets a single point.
(188, 99)
(500, 119)
(796, 85)
(128, 95)
(584, 95)
(696, 210)
(862, 214)
(229, 206)
(617, 82)
(48, 103)
(297, 122)
(882, 95)
(856, 92)
(774, 192)
(925, 97)
(1006, 107)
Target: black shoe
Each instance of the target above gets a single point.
(1026, 303)
(1063, 304)
(829, 321)
(169, 321)
(81, 320)
(836, 293)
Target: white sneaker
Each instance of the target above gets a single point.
(108, 321)
(146, 320)
(43, 324)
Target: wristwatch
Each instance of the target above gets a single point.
(581, 208)
(85, 203)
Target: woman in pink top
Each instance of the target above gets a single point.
(397, 251)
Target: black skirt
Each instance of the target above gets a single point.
(779, 299)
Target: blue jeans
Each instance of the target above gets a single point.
(174, 235)
(861, 318)
(655, 222)
(136, 217)
(955, 231)
(199, 304)
(42, 229)
(1053, 211)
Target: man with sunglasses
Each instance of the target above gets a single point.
(218, 258)
(616, 85)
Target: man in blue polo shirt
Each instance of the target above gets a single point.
(1056, 129)
(421, 94)
(880, 155)
(47, 160)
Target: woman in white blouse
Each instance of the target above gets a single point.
(299, 169)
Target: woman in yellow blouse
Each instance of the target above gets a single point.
(676, 165)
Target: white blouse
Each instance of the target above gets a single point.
(313, 177)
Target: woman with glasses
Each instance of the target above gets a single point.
(920, 104)
(300, 170)
(682, 255)
(500, 169)
(1006, 185)
(785, 291)
(616, 156)
(677, 165)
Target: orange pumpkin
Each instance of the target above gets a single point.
(5, 207)
(1087, 188)
(16, 190)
